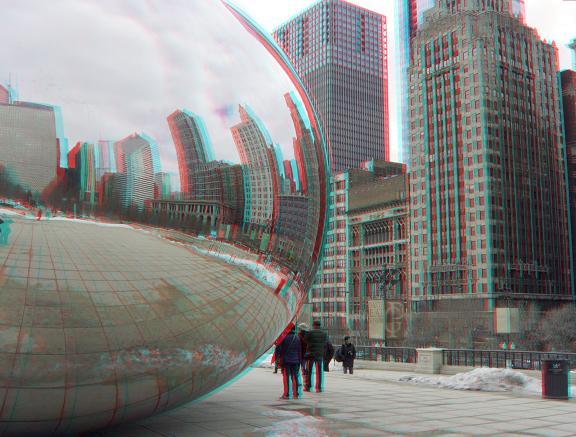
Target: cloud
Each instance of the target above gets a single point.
(119, 67)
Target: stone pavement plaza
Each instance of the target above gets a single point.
(356, 405)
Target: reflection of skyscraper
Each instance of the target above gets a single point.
(489, 209)
(82, 161)
(192, 144)
(162, 185)
(340, 51)
(6, 95)
(136, 157)
(29, 143)
(259, 167)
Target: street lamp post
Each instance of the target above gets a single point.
(389, 275)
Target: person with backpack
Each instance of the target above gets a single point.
(347, 353)
(290, 358)
(315, 348)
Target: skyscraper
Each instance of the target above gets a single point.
(488, 193)
(192, 145)
(340, 51)
(568, 81)
(410, 16)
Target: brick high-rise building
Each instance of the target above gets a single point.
(340, 51)
(488, 193)
(410, 15)
(568, 81)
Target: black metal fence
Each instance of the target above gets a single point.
(503, 358)
(389, 354)
(527, 360)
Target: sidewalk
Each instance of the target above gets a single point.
(368, 403)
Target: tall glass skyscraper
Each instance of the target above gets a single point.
(340, 51)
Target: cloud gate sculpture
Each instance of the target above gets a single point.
(162, 207)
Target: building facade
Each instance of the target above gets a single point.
(568, 82)
(488, 193)
(378, 227)
(340, 51)
(334, 297)
(30, 144)
(410, 15)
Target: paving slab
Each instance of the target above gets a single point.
(357, 405)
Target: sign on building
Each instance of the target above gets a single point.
(507, 320)
(393, 319)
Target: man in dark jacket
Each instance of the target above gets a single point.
(348, 353)
(328, 355)
(290, 357)
(315, 348)
(302, 331)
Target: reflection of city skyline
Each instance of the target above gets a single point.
(264, 197)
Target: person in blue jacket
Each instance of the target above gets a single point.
(290, 356)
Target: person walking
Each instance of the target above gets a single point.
(315, 348)
(348, 354)
(290, 358)
(328, 355)
(276, 349)
(302, 331)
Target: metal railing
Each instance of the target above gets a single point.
(528, 360)
(388, 354)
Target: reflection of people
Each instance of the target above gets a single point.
(315, 346)
(348, 353)
(290, 357)
(4, 231)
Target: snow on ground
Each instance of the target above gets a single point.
(483, 379)
(479, 379)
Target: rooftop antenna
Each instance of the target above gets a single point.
(572, 45)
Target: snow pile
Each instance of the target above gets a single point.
(483, 379)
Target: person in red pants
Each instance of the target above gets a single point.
(316, 341)
(290, 359)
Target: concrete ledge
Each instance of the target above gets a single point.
(385, 365)
(429, 360)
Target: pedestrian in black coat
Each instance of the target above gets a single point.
(348, 353)
(315, 346)
(290, 357)
(328, 355)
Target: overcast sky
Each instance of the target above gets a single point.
(117, 67)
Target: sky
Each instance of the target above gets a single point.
(116, 68)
